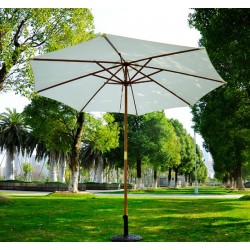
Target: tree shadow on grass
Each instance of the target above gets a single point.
(93, 219)
(192, 221)
(198, 230)
(187, 206)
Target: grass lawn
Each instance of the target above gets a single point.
(87, 218)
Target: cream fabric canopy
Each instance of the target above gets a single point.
(90, 76)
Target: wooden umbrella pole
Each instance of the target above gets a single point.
(125, 217)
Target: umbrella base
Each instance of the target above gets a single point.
(127, 238)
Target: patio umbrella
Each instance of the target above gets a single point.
(125, 75)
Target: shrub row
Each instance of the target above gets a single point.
(57, 186)
(30, 186)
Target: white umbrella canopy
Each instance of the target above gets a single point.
(92, 75)
(125, 75)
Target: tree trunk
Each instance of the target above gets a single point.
(74, 155)
(231, 182)
(138, 174)
(169, 176)
(155, 179)
(99, 169)
(62, 168)
(9, 166)
(176, 178)
(186, 180)
(118, 175)
(239, 182)
(52, 164)
(190, 181)
(73, 185)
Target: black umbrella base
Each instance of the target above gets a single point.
(127, 238)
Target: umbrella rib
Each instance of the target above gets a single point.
(121, 100)
(168, 90)
(113, 74)
(96, 93)
(172, 92)
(72, 60)
(134, 99)
(168, 54)
(119, 54)
(115, 49)
(146, 76)
(92, 97)
(181, 73)
(74, 79)
(137, 82)
(137, 72)
(106, 78)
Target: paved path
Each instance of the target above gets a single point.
(111, 193)
(23, 193)
(207, 196)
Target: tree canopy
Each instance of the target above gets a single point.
(27, 32)
(222, 117)
(14, 135)
(186, 162)
(52, 123)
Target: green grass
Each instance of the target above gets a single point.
(189, 190)
(87, 218)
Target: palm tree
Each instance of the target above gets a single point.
(13, 138)
(91, 158)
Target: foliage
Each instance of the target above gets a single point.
(13, 131)
(55, 126)
(101, 132)
(28, 32)
(27, 167)
(58, 130)
(186, 163)
(202, 172)
(165, 149)
(151, 141)
(52, 123)
(222, 117)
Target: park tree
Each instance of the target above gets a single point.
(59, 128)
(202, 172)
(165, 151)
(151, 141)
(14, 135)
(114, 157)
(101, 134)
(222, 117)
(27, 170)
(28, 32)
(186, 163)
